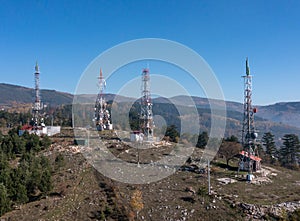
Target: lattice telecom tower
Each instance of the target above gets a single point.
(249, 161)
(37, 107)
(146, 117)
(102, 116)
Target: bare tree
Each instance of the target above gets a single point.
(137, 202)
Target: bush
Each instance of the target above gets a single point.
(59, 160)
(45, 142)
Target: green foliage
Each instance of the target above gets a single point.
(134, 117)
(59, 115)
(12, 144)
(18, 144)
(229, 150)
(18, 191)
(202, 140)
(11, 119)
(202, 191)
(102, 216)
(295, 215)
(1, 136)
(5, 171)
(39, 176)
(45, 184)
(45, 142)
(290, 151)
(33, 143)
(31, 177)
(4, 200)
(232, 138)
(107, 210)
(270, 147)
(59, 160)
(172, 134)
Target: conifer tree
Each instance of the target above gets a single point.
(290, 151)
(270, 147)
(4, 200)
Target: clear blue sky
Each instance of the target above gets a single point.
(65, 36)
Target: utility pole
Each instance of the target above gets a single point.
(208, 176)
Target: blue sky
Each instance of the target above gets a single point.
(65, 36)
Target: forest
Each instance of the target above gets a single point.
(25, 173)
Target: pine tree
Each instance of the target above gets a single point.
(232, 138)
(202, 140)
(4, 200)
(269, 144)
(290, 151)
(45, 142)
(172, 133)
(45, 184)
(18, 144)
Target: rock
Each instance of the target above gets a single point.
(259, 211)
(190, 189)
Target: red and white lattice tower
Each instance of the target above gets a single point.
(102, 116)
(146, 116)
(249, 158)
(37, 106)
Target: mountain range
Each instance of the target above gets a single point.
(11, 94)
(283, 117)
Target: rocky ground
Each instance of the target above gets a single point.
(82, 193)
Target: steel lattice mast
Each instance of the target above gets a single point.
(146, 117)
(37, 107)
(249, 134)
(102, 116)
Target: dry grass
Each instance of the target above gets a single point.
(81, 193)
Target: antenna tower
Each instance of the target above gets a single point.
(37, 107)
(102, 116)
(249, 134)
(146, 117)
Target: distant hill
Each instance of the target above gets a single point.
(278, 118)
(12, 94)
(200, 102)
(233, 121)
(283, 113)
(17, 94)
